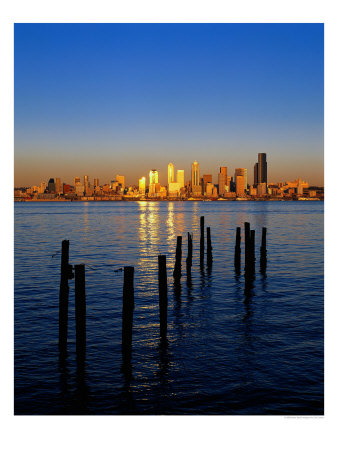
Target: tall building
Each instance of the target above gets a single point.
(77, 180)
(171, 173)
(256, 174)
(122, 181)
(58, 186)
(96, 182)
(153, 177)
(240, 185)
(51, 186)
(142, 185)
(195, 174)
(244, 173)
(262, 171)
(180, 178)
(86, 184)
(205, 180)
(221, 183)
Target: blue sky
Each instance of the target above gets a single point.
(107, 99)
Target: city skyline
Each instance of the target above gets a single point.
(101, 95)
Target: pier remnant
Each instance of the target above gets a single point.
(247, 246)
(252, 251)
(66, 274)
(80, 310)
(238, 250)
(209, 248)
(163, 296)
(127, 313)
(189, 257)
(202, 241)
(263, 251)
(178, 259)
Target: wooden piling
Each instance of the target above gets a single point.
(189, 257)
(178, 259)
(252, 250)
(63, 297)
(163, 297)
(127, 312)
(238, 249)
(247, 245)
(80, 309)
(202, 241)
(209, 248)
(263, 250)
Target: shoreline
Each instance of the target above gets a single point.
(62, 200)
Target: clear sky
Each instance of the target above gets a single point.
(107, 99)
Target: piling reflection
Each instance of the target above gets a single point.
(82, 389)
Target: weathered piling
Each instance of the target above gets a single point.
(178, 259)
(263, 250)
(189, 257)
(163, 297)
(80, 309)
(127, 312)
(202, 241)
(247, 246)
(238, 250)
(252, 250)
(209, 248)
(66, 274)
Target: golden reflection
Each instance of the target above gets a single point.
(148, 231)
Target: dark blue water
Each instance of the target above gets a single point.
(228, 351)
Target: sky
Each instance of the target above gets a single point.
(108, 99)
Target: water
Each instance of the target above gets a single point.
(227, 351)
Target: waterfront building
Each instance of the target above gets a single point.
(153, 176)
(240, 186)
(121, 181)
(261, 189)
(205, 180)
(86, 184)
(209, 187)
(58, 186)
(262, 171)
(256, 174)
(79, 189)
(51, 186)
(77, 180)
(142, 185)
(66, 188)
(221, 183)
(244, 173)
(253, 190)
(180, 178)
(174, 189)
(171, 173)
(195, 174)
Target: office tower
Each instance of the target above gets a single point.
(221, 183)
(96, 182)
(205, 180)
(86, 184)
(224, 171)
(51, 186)
(121, 180)
(174, 189)
(255, 174)
(153, 176)
(244, 173)
(58, 186)
(240, 185)
(195, 174)
(77, 180)
(171, 173)
(43, 187)
(262, 171)
(142, 185)
(180, 178)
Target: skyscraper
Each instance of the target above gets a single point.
(262, 171)
(171, 173)
(142, 185)
(256, 174)
(86, 184)
(195, 174)
(96, 182)
(244, 173)
(180, 178)
(121, 180)
(51, 186)
(58, 186)
(153, 176)
(240, 185)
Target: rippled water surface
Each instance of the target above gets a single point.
(227, 351)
